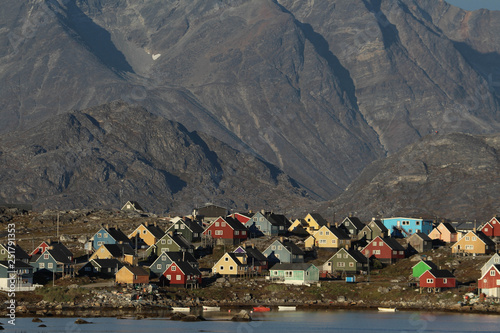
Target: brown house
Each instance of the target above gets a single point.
(132, 275)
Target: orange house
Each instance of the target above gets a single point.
(132, 275)
(474, 242)
(149, 233)
(444, 232)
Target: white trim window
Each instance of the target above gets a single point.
(430, 281)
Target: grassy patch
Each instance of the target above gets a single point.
(62, 294)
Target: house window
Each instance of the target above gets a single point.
(176, 226)
(288, 273)
(321, 233)
(322, 241)
(100, 243)
(275, 272)
(281, 227)
(273, 247)
(277, 255)
(218, 232)
(158, 266)
(173, 269)
(183, 226)
(498, 282)
(345, 256)
(226, 259)
(380, 243)
(46, 256)
(169, 277)
(243, 232)
(410, 231)
(144, 232)
(430, 280)
(486, 229)
(261, 219)
(42, 265)
(221, 268)
(236, 232)
(105, 235)
(497, 260)
(163, 258)
(223, 224)
(401, 252)
(376, 251)
(492, 273)
(469, 247)
(163, 241)
(231, 268)
(467, 238)
(339, 255)
(334, 241)
(417, 222)
(445, 281)
(178, 277)
(395, 252)
(169, 241)
(99, 235)
(351, 264)
(280, 247)
(50, 265)
(327, 233)
(217, 224)
(255, 219)
(340, 264)
(347, 224)
(474, 239)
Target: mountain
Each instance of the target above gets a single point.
(318, 88)
(103, 156)
(452, 176)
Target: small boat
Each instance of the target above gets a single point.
(287, 308)
(387, 309)
(181, 309)
(211, 308)
(261, 309)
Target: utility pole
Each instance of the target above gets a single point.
(368, 257)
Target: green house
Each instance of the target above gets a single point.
(421, 267)
(346, 261)
(300, 273)
(170, 243)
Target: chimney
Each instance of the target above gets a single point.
(263, 212)
(350, 214)
(253, 246)
(336, 225)
(281, 239)
(116, 226)
(329, 225)
(347, 247)
(171, 232)
(155, 224)
(49, 241)
(146, 223)
(107, 226)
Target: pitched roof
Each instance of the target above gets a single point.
(428, 263)
(355, 254)
(292, 247)
(137, 270)
(449, 227)
(393, 244)
(186, 268)
(194, 226)
(61, 247)
(17, 264)
(117, 235)
(181, 241)
(118, 250)
(278, 219)
(134, 204)
(235, 224)
(380, 225)
(180, 256)
(355, 221)
(19, 253)
(255, 253)
(212, 211)
(441, 273)
(339, 233)
(292, 266)
(59, 256)
(155, 230)
(422, 236)
(318, 218)
(485, 238)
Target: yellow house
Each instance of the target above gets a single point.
(330, 238)
(311, 223)
(121, 252)
(132, 275)
(229, 264)
(474, 242)
(149, 233)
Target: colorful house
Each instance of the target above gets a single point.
(243, 218)
(167, 258)
(230, 264)
(372, 230)
(189, 229)
(209, 213)
(346, 261)
(13, 253)
(105, 268)
(489, 283)
(267, 224)
(311, 223)
(149, 233)
(406, 226)
(183, 274)
(284, 251)
(52, 260)
(419, 242)
(444, 232)
(226, 230)
(297, 274)
(494, 260)
(132, 206)
(170, 243)
(132, 275)
(435, 280)
(387, 250)
(421, 267)
(491, 228)
(17, 273)
(352, 226)
(121, 252)
(107, 235)
(328, 238)
(54, 246)
(256, 260)
(474, 242)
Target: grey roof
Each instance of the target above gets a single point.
(212, 211)
(17, 264)
(118, 250)
(450, 228)
(59, 256)
(186, 268)
(118, 235)
(255, 253)
(137, 270)
(194, 226)
(485, 238)
(180, 256)
(106, 263)
(355, 221)
(393, 244)
(339, 233)
(62, 248)
(278, 219)
(380, 225)
(293, 248)
(292, 266)
(430, 264)
(155, 230)
(19, 253)
(321, 221)
(181, 241)
(235, 224)
(422, 236)
(357, 255)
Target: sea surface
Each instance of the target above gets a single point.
(288, 322)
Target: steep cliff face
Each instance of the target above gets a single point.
(453, 176)
(102, 156)
(318, 88)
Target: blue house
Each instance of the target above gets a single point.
(267, 224)
(52, 260)
(284, 252)
(406, 226)
(160, 265)
(108, 235)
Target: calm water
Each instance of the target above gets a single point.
(331, 321)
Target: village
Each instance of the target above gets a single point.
(214, 258)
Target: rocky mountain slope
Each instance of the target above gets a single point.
(109, 154)
(453, 176)
(318, 88)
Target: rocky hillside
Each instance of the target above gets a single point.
(318, 88)
(109, 154)
(454, 176)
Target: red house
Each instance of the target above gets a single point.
(491, 228)
(435, 279)
(386, 249)
(48, 245)
(181, 273)
(489, 283)
(226, 230)
(241, 217)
